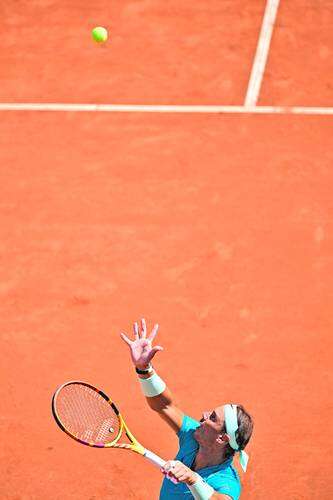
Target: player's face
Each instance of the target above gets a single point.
(212, 426)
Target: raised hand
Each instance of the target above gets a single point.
(142, 351)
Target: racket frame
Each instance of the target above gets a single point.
(134, 444)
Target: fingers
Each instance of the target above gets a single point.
(181, 478)
(144, 328)
(176, 471)
(169, 476)
(143, 333)
(126, 339)
(136, 330)
(172, 479)
(170, 464)
(153, 333)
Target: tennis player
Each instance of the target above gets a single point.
(203, 466)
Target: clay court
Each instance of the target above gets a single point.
(216, 225)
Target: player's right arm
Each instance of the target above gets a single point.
(142, 352)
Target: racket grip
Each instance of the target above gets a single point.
(159, 462)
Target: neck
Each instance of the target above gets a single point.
(208, 458)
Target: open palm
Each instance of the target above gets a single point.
(142, 351)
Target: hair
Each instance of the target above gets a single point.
(243, 433)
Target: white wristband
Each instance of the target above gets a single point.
(201, 490)
(152, 386)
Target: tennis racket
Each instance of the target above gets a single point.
(87, 415)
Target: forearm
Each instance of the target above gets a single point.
(160, 402)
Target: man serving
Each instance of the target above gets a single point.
(203, 466)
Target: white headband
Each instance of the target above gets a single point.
(231, 425)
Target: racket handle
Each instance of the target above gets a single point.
(159, 462)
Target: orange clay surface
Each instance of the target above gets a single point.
(218, 227)
(300, 65)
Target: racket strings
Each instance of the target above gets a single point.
(86, 414)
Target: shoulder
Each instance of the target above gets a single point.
(188, 424)
(187, 428)
(226, 482)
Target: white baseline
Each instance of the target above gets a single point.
(141, 108)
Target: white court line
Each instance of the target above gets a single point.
(138, 108)
(260, 59)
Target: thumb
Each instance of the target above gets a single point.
(125, 338)
(154, 351)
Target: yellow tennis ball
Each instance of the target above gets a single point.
(100, 34)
